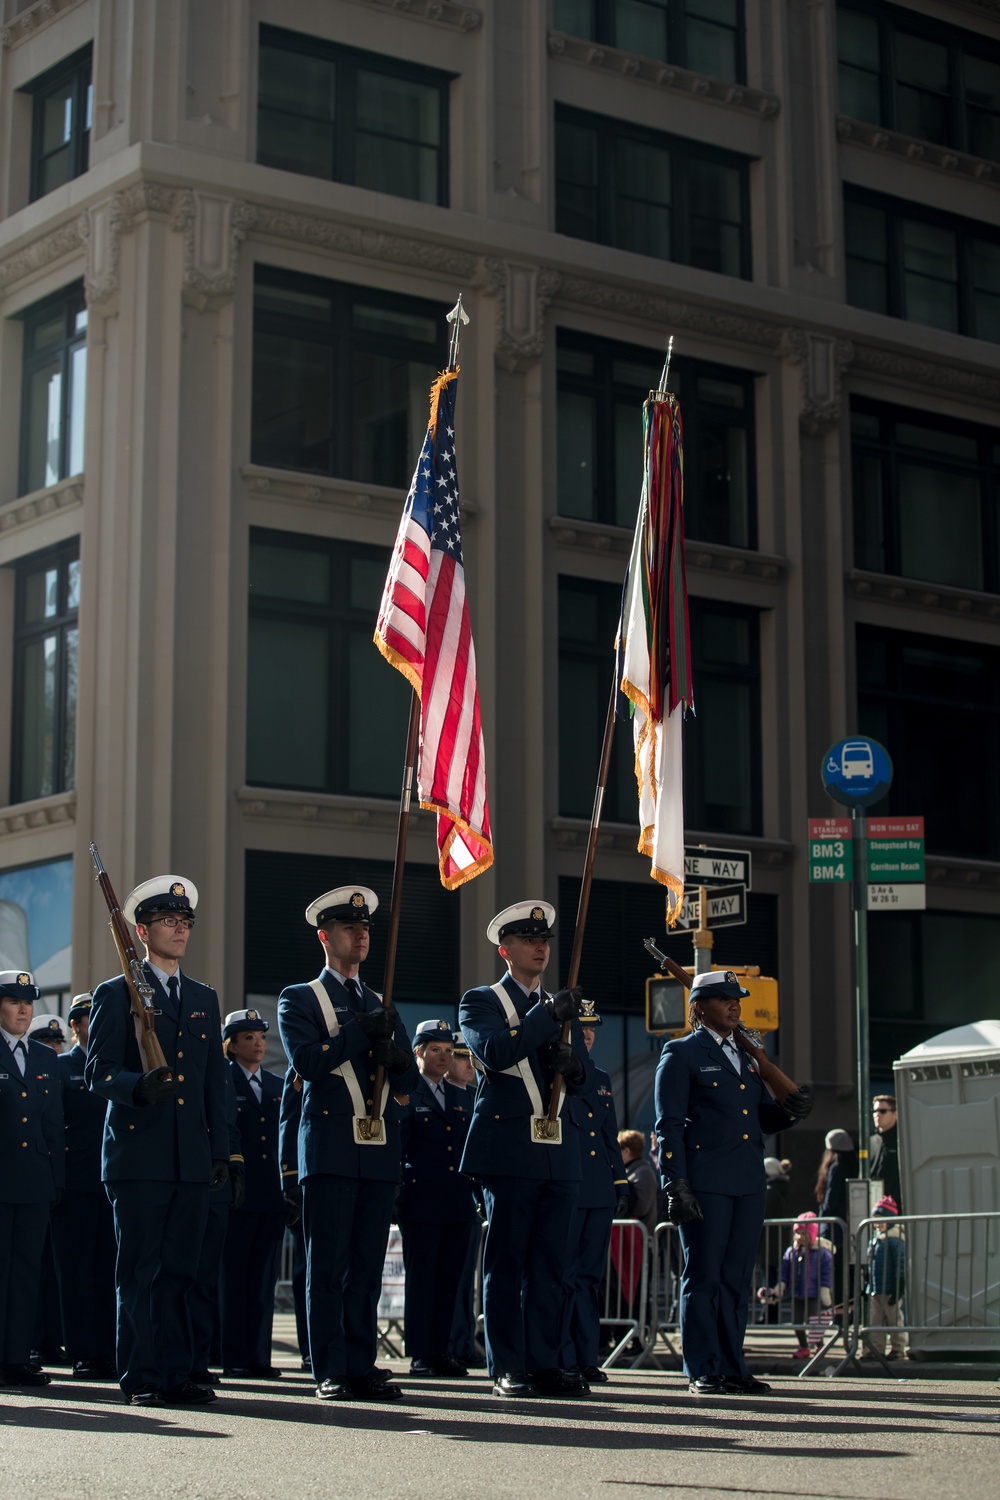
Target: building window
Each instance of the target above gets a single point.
(910, 73)
(925, 267)
(280, 947)
(722, 751)
(62, 105)
(341, 377)
(706, 35)
(651, 193)
(53, 390)
(935, 705)
(313, 606)
(721, 742)
(926, 496)
(348, 116)
(46, 635)
(601, 390)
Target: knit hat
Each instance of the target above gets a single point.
(772, 1166)
(807, 1223)
(838, 1140)
(886, 1208)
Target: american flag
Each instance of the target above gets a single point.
(423, 630)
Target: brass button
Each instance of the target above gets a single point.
(593, 1153)
(451, 1148)
(131, 1127)
(204, 1035)
(326, 1111)
(180, 1078)
(496, 1117)
(590, 1114)
(746, 1137)
(263, 1137)
(263, 1156)
(742, 1085)
(368, 1102)
(593, 1133)
(24, 1121)
(448, 1128)
(24, 1093)
(180, 1055)
(715, 1085)
(24, 1143)
(180, 1101)
(746, 1111)
(669, 1154)
(513, 1033)
(326, 1047)
(451, 1169)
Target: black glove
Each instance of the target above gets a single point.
(391, 1057)
(220, 1175)
(565, 1061)
(155, 1087)
(375, 1023)
(292, 1194)
(682, 1205)
(237, 1177)
(800, 1103)
(623, 1206)
(566, 1005)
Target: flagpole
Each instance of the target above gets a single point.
(457, 317)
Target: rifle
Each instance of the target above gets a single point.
(751, 1041)
(140, 990)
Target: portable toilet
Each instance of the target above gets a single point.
(948, 1092)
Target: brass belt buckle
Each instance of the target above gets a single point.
(369, 1132)
(546, 1132)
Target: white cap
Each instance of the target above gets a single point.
(348, 903)
(159, 897)
(50, 1027)
(18, 984)
(523, 919)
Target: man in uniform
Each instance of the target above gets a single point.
(252, 1251)
(289, 1119)
(436, 1209)
(336, 1034)
(712, 1114)
(462, 1342)
(165, 1144)
(528, 1166)
(83, 1225)
(49, 1031)
(47, 1343)
(603, 1197)
(31, 1144)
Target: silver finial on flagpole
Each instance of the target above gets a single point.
(456, 318)
(662, 391)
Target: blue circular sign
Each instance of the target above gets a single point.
(857, 772)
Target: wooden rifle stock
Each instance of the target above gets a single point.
(778, 1082)
(140, 990)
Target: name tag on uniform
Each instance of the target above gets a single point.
(77, 1078)
(713, 1069)
(422, 1109)
(4, 1075)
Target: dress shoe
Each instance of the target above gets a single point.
(189, 1394)
(24, 1375)
(333, 1390)
(450, 1368)
(594, 1375)
(305, 1363)
(750, 1386)
(375, 1387)
(422, 1367)
(264, 1372)
(515, 1383)
(709, 1385)
(148, 1396)
(90, 1369)
(204, 1377)
(558, 1382)
(237, 1372)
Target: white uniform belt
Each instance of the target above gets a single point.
(346, 1069)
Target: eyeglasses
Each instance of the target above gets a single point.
(883, 1111)
(173, 922)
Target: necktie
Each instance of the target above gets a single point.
(21, 1056)
(439, 1094)
(353, 989)
(258, 1091)
(173, 990)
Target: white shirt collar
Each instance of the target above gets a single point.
(537, 991)
(12, 1041)
(247, 1074)
(162, 976)
(729, 1040)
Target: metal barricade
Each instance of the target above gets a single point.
(927, 1283)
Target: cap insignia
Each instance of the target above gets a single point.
(537, 915)
(731, 977)
(177, 889)
(357, 899)
(24, 978)
(252, 1015)
(588, 1010)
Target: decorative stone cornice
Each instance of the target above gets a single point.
(441, 12)
(57, 244)
(65, 495)
(214, 228)
(104, 224)
(913, 593)
(329, 494)
(364, 244)
(375, 815)
(706, 557)
(647, 307)
(662, 75)
(962, 874)
(523, 292)
(924, 153)
(822, 361)
(34, 19)
(924, 374)
(622, 838)
(44, 812)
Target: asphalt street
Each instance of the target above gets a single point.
(847, 1439)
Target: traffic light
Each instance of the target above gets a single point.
(667, 1001)
(666, 1006)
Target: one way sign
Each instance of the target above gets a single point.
(727, 907)
(716, 866)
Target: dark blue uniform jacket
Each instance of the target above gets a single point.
(180, 1140)
(434, 1190)
(710, 1123)
(600, 1155)
(499, 1142)
(31, 1126)
(326, 1131)
(84, 1114)
(258, 1132)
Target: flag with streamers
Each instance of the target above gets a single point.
(423, 630)
(654, 647)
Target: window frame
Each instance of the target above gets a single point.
(72, 301)
(77, 70)
(605, 33)
(958, 40)
(897, 212)
(352, 60)
(599, 651)
(685, 155)
(339, 618)
(694, 413)
(342, 339)
(24, 635)
(696, 817)
(892, 452)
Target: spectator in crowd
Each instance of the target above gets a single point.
(806, 1278)
(642, 1183)
(885, 1283)
(839, 1163)
(776, 1190)
(884, 1147)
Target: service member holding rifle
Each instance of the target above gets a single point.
(712, 1111)
(155, 1054)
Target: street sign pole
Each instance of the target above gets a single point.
(861, 978)
(703, 938)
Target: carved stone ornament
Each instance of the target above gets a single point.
(102, 226)
(822, 361)
(34, 19)
(65, 240)
(523, 292)
(364, 244)
(214, 228)
(666, 313)
(647, 70)
(443, 12)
